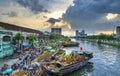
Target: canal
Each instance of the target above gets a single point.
(106, 60)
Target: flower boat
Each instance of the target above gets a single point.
(70, 44)
(58, 68)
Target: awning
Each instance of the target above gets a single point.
(26, 45)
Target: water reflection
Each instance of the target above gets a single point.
(84, 71)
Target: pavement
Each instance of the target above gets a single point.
(9, 60)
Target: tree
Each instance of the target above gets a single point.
(52, 36)
(17, 38)
(31, 38)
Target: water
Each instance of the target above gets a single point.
(106, 60)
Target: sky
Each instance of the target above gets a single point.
(93, 16)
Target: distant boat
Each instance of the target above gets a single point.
(59, 68)
(74, 44)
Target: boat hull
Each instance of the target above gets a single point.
(66, 69)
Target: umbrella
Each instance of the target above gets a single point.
(34, 65)
(9, 70)
(52, 50)
(24, 67)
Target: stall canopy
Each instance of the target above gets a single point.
(26, 45)
(52, 50)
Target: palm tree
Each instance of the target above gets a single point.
(18, 37)
(31, 38)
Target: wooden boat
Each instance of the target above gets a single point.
(60, 68)
(71, 45)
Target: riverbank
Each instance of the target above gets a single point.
(106, 42)
(115, 45)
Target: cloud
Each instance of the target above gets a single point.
(90, 15)
(45, 6)
(53, 20)
(107, 32)
(34, 5)
(59, 23)
(10, 14)
(35, 13)
(111, 16)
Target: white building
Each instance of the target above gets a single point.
(80, 33)
(57, 31)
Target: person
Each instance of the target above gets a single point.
(23, 49)
(18, 50)
(6, 74)
(56, 59)
(1, 73)
(81, 48)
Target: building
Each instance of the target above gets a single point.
(6, 48)
(118, 31)
(80, 33)
(23, 30)
(57, 31)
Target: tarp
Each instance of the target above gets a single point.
(52, 50)
(9, 70)
(26, 45)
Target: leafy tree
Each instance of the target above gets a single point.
(31, 38)
(17, 38)
(52, 36)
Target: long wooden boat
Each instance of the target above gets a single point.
(63, 69)
(75, 44)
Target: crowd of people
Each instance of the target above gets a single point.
(25, 59)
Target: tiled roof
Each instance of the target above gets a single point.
(13, 27)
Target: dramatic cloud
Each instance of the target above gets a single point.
(33, 5)
(90, 15)
(59, 23)
(46, 6)
(53, 20)
(93, 16)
